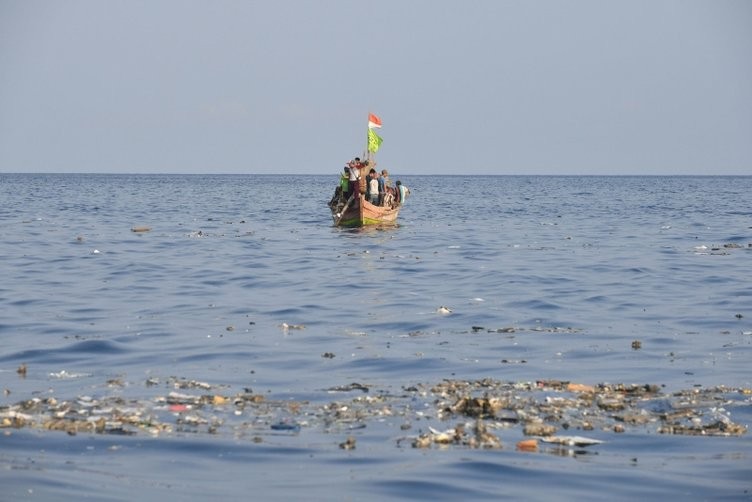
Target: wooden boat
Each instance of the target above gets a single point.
(361, 213)
(358, 212)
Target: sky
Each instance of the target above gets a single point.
(480, 87)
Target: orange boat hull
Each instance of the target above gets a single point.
(366, 214)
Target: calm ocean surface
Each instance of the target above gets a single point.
(244, 285)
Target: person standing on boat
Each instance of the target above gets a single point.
(373, 187)
(344, 183)
(381, 180)
(385, 175)
(355, 179)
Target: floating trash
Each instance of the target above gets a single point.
(348, 444)
(349, 387)
(527, 445)
(65, 375)
(284, 426)
(482, 412)
(286, 326)
(571, 440)
(480, 437)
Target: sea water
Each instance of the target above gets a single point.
(242, 284)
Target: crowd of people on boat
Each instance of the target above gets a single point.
(376, 185)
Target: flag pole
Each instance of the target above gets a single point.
(367, 153)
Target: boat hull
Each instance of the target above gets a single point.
(365, 214)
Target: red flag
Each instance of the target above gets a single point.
(373, 121)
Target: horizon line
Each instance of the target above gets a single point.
(125, 173)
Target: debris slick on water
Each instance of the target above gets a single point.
(479, 413)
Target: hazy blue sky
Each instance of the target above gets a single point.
(476, 86)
